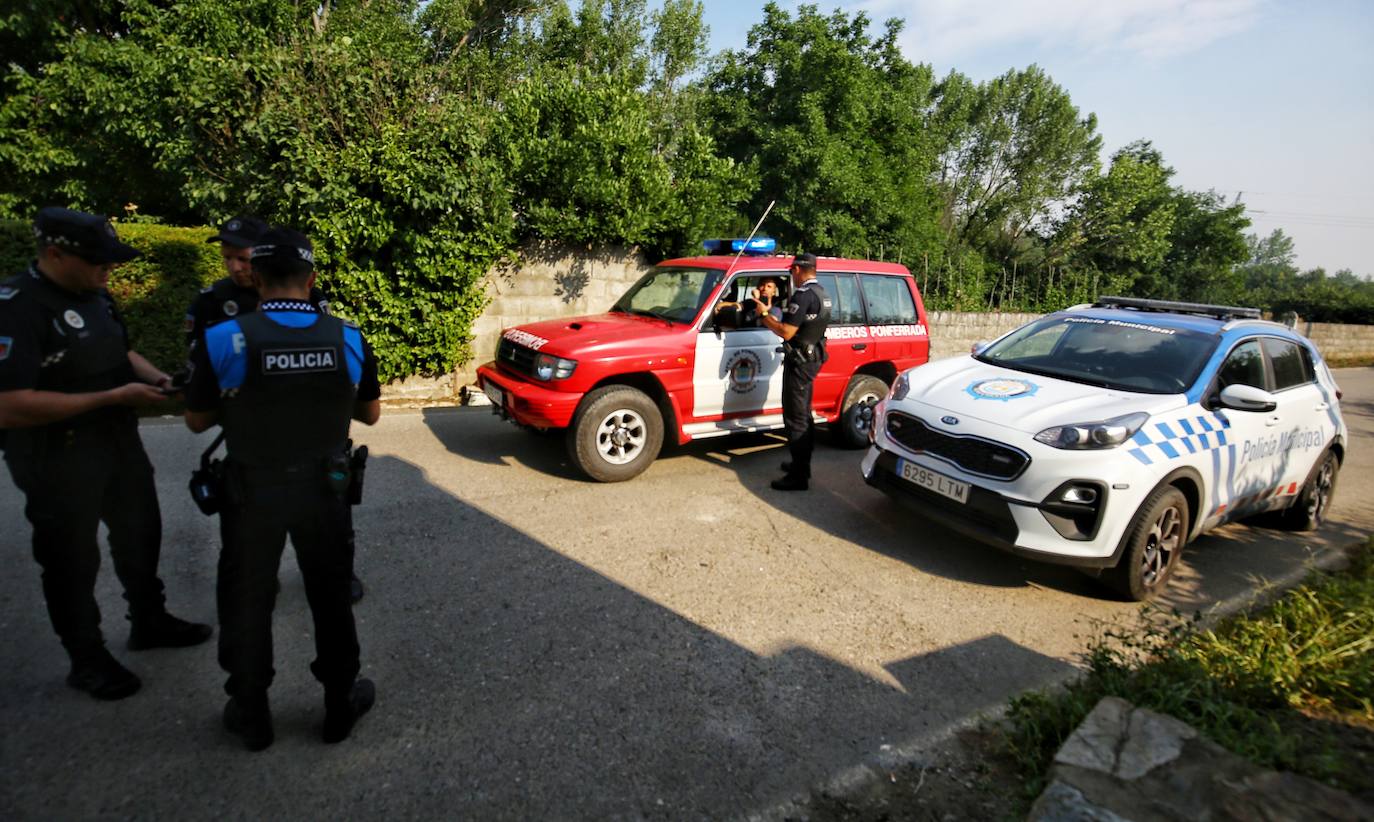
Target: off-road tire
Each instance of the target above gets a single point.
(1154, 543)
(615, 434)
(856, 414)
(1309, 510)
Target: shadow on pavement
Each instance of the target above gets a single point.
(513, 683)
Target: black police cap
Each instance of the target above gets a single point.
(284, 245)
(88, 236)
(805, 260)
(241, 231)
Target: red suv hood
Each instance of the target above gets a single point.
(571, 335)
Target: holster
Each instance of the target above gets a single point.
(801, 353)
(207, 484)
(357, 464)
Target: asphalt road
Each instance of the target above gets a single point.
(687, 644)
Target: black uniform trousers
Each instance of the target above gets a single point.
(73, 480)
(265, 506)
(798, 384)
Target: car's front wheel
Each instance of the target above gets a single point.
(856, 414)
(1308, 511)
(1154, 544)
(616, 432)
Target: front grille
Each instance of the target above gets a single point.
(973, 454)
(513, 357)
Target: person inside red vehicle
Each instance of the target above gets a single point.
(746, 314)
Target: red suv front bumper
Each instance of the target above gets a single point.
(526, 402)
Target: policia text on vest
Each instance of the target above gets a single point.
(284, 382)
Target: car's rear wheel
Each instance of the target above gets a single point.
(1154, 544)
(616, 432)
(856, 414)
(1308, 511)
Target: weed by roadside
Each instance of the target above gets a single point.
(1288, 687)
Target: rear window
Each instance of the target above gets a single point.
(1118, 354)
(846, 303)
(888, 300)
(1292, 366)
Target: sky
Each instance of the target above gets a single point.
(1268, 101)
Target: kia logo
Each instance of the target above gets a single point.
(949, 420)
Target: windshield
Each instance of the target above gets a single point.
(1128, 355)
(673, 294)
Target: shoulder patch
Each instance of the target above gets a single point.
(7, 292)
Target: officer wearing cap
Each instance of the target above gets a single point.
(802, 329)
(230, 296)
(69, 384)
(284, 382)
(235, 294)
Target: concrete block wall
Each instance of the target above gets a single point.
(1337, 341)
(953, 333)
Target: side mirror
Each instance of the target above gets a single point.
(1247, 398)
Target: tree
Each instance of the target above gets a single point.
(1206, 247)
(828, 121)
(1121, 226)
(1013, 149)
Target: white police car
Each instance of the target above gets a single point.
(1108, 436)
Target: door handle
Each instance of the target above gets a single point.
(1271, 422)
(1321, 406)
(777, 350)
(859, 346)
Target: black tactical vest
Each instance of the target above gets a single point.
(812, 331)
(296, 400)
(83, 346)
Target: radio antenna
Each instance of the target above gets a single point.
(751, 237)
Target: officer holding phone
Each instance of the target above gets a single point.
(69, 384)
(284, 382)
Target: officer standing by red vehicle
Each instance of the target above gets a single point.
(235, 294)
(802, 329)
(69, 384)
(284, 382)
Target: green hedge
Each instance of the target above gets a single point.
(153, 291)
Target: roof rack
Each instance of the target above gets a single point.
(1220, 312)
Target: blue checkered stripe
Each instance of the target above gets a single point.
(1171, 440)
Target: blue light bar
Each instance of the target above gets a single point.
(758, 245)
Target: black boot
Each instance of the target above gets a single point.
(791, 482)
(101, 676)
(250, 720)
(166, 631)
(342, 710)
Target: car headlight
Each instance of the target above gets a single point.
(900, 386)
(1088, 435)
(548, 367)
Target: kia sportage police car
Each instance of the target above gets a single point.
(1108, 436)
(679, 355)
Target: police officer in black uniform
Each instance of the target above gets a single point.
(802, 329)
(69, 384)
(284, 382)
(235, 294)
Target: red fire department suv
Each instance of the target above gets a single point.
(679, 353)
